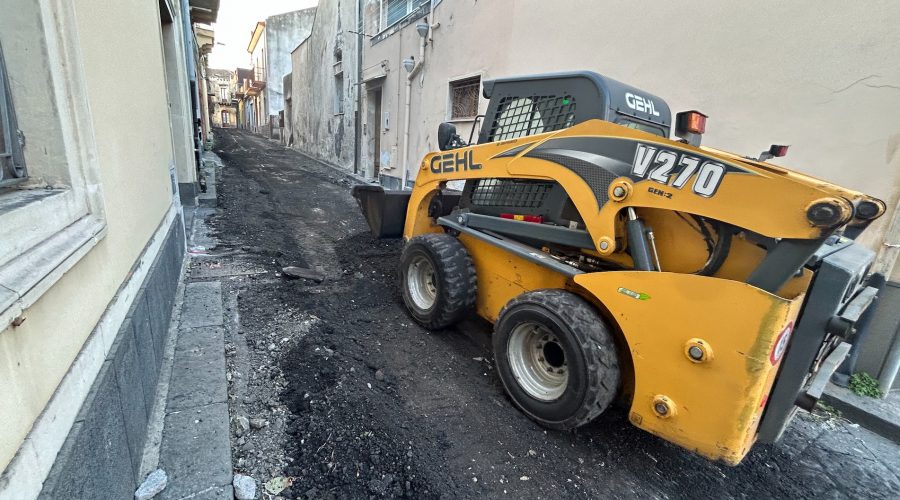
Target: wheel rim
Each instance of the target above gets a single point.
(538, 361)
(420, 280)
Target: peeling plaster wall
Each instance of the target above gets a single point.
(317, 129)
(283, 33)
(821, 76)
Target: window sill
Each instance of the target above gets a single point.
(25, 278)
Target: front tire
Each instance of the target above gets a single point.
(557, 358)
(438, 280)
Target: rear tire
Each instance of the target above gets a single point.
(437, 277)
(557, 358)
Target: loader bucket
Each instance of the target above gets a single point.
(385, 211)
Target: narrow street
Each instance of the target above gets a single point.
(347, 397)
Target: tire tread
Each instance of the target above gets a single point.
(596, 342)
(458, 278)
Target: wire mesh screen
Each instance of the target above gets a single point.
(464, 98)
(520, 116)
(510, 193)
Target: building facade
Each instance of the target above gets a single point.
(324, 92)
(86, 293)
(283, 33)
(255, 89)
(241, 84)
(222, 101)
(204, 39)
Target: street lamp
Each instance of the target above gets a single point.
(409, 63)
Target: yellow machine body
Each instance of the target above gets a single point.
(711, 406)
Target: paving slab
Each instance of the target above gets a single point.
(196, 452)
(198, 372)
(202, 305)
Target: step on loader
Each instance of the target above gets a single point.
(712, 293)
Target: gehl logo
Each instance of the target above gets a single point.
(642, 104)
(454, 162)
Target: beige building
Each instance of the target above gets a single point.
(254, 92)
(220, 85)
(205, 40)
(91, 234)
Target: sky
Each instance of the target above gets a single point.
(235, 23)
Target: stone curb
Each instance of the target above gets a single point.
(873, 414)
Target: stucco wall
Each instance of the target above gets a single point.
(283, 33)
(317, 130)
(821, 76)
(134, 170)
(180, 111)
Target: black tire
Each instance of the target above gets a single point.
(453, 280)
(580, 333)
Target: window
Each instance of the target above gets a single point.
(520, 116)
(12, 165)
(339, 93)
(223, 94)
(63, 191)
(338, 81)
(393, 11)
(464, 98)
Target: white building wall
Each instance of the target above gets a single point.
(821, 76)
(283, 33)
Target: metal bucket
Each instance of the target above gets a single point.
(385, 211)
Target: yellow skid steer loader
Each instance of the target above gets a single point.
(714, 293)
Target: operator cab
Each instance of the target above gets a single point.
(534, 104)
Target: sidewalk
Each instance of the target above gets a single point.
(881, 416)
(190, 441)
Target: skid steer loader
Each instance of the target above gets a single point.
(714, 294)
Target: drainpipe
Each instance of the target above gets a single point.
(891, 367)
(888, 256)
(357, 129)
(409, 78)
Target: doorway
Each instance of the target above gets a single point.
(373, 129)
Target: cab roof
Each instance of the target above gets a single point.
(597, 95)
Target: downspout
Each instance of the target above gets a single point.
(888, 256)
(357, 129)
(409, 79)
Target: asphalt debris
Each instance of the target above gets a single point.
(363, 403)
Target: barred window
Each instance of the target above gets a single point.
(393, 11)
(12, 164)
(464, 98)
(527, 115)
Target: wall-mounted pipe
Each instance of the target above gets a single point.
(409, 78)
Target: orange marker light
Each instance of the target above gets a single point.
(694, 122)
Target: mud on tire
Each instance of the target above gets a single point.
(437, 279)
(557, 358)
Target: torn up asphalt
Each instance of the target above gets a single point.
(352, 399)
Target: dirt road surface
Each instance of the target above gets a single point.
(348, 398)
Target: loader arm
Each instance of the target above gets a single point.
(606, 168)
